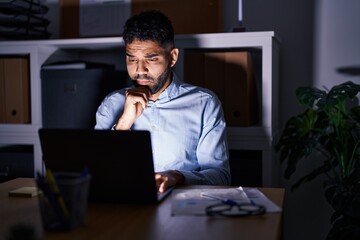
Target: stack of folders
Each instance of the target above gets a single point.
(23, 20)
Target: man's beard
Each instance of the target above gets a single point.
(161, 80)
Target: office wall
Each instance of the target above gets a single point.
(337, 41)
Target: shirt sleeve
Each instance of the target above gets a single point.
(212, 150)
(109, 110)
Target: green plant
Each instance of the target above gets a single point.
(329, 126)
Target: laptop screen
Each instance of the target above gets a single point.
(120, 162)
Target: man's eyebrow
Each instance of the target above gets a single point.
(151, 55)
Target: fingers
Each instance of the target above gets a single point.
(161, 182)
(166, 179)
(135, 103)
(139, 95)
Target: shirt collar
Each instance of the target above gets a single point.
(172, 90)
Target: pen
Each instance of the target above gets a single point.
(223, 200)
(49, 195)
(250, 200)
(51, 181)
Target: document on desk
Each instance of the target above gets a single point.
(194, 201)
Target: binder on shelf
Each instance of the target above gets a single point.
(15, 90)
(229, 74)
(240, 82)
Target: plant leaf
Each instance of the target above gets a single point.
(344, 90)
(338, 94)
(311, 176)
(308, 96)
(298, 140)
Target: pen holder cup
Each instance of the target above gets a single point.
(74, 189)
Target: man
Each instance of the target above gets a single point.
(186, 122)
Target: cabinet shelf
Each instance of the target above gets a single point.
(245, 138)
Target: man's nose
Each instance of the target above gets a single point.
(141, 68)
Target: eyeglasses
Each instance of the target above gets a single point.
(234, 210)
(231, 208)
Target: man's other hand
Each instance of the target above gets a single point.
(168, 178)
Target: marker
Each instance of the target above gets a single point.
(51, 181)
(49, 194)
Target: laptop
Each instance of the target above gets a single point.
(120, 162)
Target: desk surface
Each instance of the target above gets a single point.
(125, 221)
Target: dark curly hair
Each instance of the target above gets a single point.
(149, 25)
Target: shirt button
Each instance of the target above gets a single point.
(153, 127)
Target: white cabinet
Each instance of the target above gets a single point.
(110, 49)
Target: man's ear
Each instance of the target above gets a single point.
(174, 54)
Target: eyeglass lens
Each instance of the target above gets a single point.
(235, 210)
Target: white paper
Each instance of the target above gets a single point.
(256, 196)
(193, 202)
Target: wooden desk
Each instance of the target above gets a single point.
(15, 211)
(119, 221)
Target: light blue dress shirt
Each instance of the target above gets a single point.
(187, 131)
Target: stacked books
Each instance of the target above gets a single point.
(23, 20)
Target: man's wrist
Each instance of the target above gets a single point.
(122, 125)
(115, 129)
(179, 177)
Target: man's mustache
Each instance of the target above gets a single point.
(142, 76)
